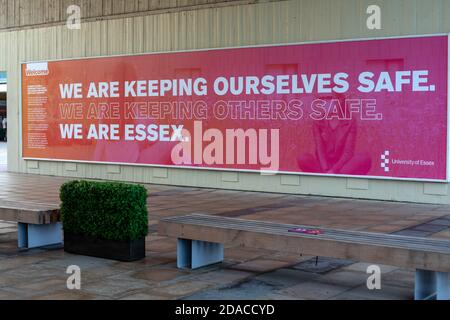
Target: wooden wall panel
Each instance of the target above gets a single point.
(36, 13)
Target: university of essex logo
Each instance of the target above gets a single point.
(385, 161)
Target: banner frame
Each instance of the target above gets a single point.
(262, 172)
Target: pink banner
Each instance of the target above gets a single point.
(372, 108)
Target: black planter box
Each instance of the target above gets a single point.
(109, 249)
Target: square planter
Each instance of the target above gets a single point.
(127, 251)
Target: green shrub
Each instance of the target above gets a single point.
(105, 210)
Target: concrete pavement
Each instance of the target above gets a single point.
(245, 273)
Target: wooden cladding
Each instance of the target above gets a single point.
(16, 14)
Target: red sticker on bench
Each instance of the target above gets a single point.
(306, 231)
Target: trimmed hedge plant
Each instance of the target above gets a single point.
(105, 210)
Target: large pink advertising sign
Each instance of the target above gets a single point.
(370, 108)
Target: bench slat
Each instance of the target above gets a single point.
(404, 251)
(27, 212)
(370, 237)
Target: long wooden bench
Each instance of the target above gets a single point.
(38, 224)
(201, 240)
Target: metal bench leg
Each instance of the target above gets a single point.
(39, 235)
(184, 254)
(196, 254)
(425, 285)
(443, 286)
(206, 253)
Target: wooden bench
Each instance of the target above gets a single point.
(201, 240)
(38, 224)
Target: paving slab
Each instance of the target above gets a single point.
(249, 290)
(386, 292)
(113, 287)
(345, 278)
(222, 277)
(158, 274)
(146, 295)
(261, 265)
(314, 291)
(322, 264)
(442, 222)
(184, 288)
(65, 295)
(162, 245)
(429, 227)
(283, 278)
